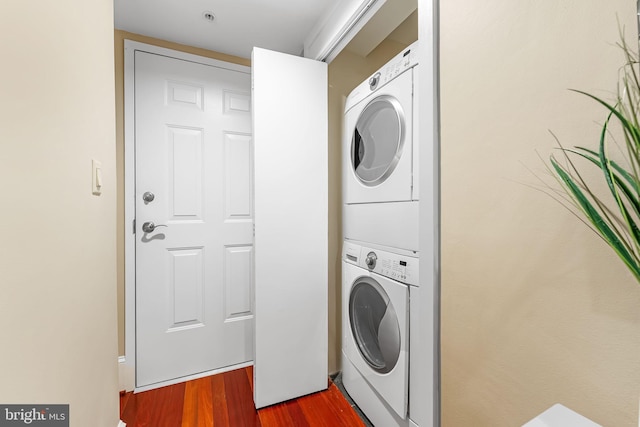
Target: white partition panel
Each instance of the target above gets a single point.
(424, 378)
(290, 134)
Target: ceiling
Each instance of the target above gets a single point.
(280, 25)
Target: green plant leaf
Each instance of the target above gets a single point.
(609, 177)
(623, 172)
(630, 195)
(596, 219)
(626, 124)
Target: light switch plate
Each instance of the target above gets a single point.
(96, 177)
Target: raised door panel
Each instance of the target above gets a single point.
(238, 272)
(185, 308)
(185, 172)
(238, 185)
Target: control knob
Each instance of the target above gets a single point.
(370, 260)
(373, 81)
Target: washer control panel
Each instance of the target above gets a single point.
(397, 266)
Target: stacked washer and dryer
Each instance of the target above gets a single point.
(380, 252)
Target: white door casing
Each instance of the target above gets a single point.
(194, 284)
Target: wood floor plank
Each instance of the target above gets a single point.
(220, 410)
(339, 405)
(242, 412)
(318, 411)
(275, 415)
(155, 408)
(146, 401)
(198, 403)
(140, 416)
(124, 397)
(167, 406)
(249, 371)
(296, 413)
(130, 412)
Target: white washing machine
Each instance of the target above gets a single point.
(379, 158)
(375, 330)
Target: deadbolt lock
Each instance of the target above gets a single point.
(148, 197)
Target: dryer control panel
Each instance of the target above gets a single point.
(402, 62)
(401, 267)
(392, 69)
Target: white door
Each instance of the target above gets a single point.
(193, 142)
(291, 206)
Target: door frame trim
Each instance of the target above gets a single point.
(130, 47)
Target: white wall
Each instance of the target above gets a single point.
(57, 240)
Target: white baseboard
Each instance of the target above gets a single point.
(121, 424)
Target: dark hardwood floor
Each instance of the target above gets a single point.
(226, 400)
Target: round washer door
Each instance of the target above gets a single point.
(377, 140)
(374, 324)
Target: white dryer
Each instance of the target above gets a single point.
(375, 330)
(379, 157)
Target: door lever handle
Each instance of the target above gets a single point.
(149, 226)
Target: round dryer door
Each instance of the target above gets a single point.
(377, 141)
(374, 325)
